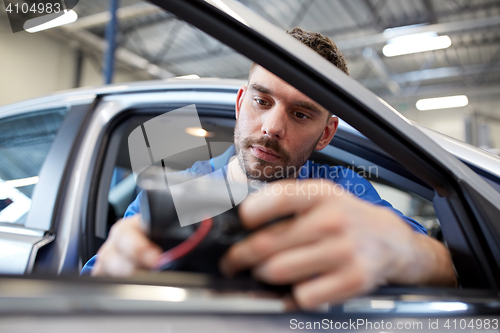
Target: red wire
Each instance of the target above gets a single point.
(186, 246)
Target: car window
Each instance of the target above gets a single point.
(25, 141)
(351, 112)
(123, 189)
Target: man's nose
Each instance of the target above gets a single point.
(274, 124)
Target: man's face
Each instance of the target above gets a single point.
(277, 127)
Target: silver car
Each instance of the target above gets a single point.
(73, 146)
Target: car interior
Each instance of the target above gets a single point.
(113, 187)
(116, 187)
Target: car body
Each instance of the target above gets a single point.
(69, 211)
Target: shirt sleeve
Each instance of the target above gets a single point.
(363, 189)
(134, 207)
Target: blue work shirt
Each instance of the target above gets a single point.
(342, 176)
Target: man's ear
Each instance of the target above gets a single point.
(328, 133)
(239, 99)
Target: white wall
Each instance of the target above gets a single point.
(452, 121)
(33, 65)
(447, 121)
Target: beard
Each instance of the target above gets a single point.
(287, 166)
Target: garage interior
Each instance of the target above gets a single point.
(67, 169)
(152, 45)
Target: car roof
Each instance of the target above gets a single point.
(470, 154)
(129, 87)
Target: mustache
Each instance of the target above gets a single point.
(268, 143)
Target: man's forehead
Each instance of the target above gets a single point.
(265, 78)
(266, 82)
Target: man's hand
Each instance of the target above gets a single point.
(337, 246)
(126, 250)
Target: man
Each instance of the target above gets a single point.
(337, 245)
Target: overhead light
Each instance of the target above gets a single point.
(442, 102)
(197, 131)
(422, 42)
(20, 182)
(188, 77)
(69, 16)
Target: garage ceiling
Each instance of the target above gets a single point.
(157, 45)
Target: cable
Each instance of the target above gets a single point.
(186, 246)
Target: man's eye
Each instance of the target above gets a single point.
(300, 115)
(261, 102)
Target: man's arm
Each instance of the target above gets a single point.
(336, 246)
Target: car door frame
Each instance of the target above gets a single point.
(466, 205)
(77, 207)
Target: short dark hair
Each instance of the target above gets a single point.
(319, 43)
(322, 45)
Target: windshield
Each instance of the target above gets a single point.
(305, 180)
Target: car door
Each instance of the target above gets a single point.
(36, 141)
(83, 198)
(467, 206)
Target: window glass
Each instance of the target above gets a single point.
(25, 141)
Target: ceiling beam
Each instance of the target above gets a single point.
(432, 74)
(123, 14)
(77, 33)
(440, 28)
(480, 93)
(375, 17)
(378, 66)
(417, 18)
(87, 40)
(430, 10)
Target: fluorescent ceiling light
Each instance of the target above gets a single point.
(413, 38)
(188, 77)
(442, 102)
(69, 16)
(415, 43)
(403, 30)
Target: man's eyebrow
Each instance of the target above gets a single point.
(303, 104)
(260, 88)
(309, 106)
